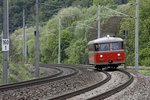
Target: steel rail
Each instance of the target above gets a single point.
(70, 66)
(30, 82)
(37, 81)
(63, 65)
(115, 90)
(69, 95)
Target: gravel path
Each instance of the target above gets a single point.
(138, 90)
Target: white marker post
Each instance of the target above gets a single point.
(5, 44)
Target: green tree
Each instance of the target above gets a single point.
(82, 3)
(66, 38)
(77, 52)
(121, 1)
(144, 33)
(103, 2)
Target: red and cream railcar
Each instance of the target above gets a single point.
(106, 52)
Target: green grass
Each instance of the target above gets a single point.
(142, 71)
(17, 73)
(145, 72)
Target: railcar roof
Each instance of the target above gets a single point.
(106, 40)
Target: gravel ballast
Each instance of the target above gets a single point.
(117, 78)
(52, 89)
(138, 90)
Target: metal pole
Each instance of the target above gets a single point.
(5, 36)
(59, 44)
(125, 43)
(136, 34)
(99, 29)
(24, 38)
(37, 40)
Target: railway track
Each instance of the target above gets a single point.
(102, 95)
(115, 90)
(56, 82)
(51, 78)
(69, 95)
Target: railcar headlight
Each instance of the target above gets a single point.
(101, 56)
(118, 54)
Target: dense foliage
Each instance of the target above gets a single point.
(78, 26)
(144, 33)
(47, 8)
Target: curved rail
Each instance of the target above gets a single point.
(69, 95)
(30, 82)
(117, 89)
(38, 81)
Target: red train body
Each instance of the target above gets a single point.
(106, 52)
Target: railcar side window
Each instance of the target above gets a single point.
(104, 47)
(122, 45)
(91, 47)
(96, 47)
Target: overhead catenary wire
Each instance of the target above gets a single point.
(117, 12)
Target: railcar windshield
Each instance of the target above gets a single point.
(116, 46)
(104, 47)
(109, 46)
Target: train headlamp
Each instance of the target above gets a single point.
(107, 36)
(101, 56)
(118, 54)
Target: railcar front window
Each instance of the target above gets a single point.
(104, 47)
(116, 46)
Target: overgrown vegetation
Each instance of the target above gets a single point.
(144, 33)
(145, 72)
(78, 26)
